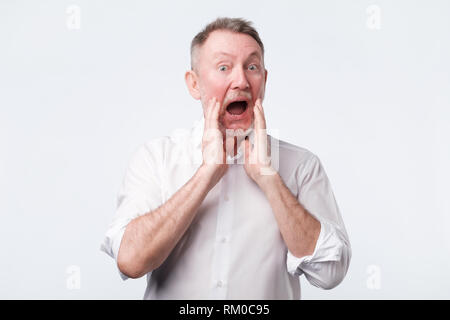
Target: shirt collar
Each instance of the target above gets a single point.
(197, 137)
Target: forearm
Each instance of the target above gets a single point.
(150, 238)
(299, 229)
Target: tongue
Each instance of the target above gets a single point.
(236, 107)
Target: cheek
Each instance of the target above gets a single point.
(216, 87)
(257, 84)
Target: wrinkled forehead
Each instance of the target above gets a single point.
(222, 43)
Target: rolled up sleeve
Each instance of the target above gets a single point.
(139, 193)
(327, 266)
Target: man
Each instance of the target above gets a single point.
(207, 213)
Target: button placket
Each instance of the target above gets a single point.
(221, 254)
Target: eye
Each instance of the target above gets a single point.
(223, 68)
(252, 67)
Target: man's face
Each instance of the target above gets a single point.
(230, 67)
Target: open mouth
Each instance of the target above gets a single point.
(237, 107)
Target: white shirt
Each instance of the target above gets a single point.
(233, 249)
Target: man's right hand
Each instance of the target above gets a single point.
(213, 148)
(150, 238)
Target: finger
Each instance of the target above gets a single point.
(263, 117)
(215, 114)
(261, 146)
(260, 133)
(209, 108)
(206, 108)
(206, 113)
(214, 117)
(260, 121)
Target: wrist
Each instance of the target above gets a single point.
(267, 180)
(209, 174)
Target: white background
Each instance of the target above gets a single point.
(369, 94)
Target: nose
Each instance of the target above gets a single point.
(240, 79)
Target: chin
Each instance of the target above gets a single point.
(237, 125)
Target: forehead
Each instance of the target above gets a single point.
(235, 44)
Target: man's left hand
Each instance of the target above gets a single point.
(257, 158)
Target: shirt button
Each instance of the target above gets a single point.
(219, 284)
(226, 198)
(223, 240)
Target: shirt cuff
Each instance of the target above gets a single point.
(111, 246)
(328, 248)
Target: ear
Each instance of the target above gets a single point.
(191, 79)
(265, 82)
(265, 78)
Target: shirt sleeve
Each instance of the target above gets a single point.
(328, 264)
(140, 193)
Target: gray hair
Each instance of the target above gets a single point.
(237, 25)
